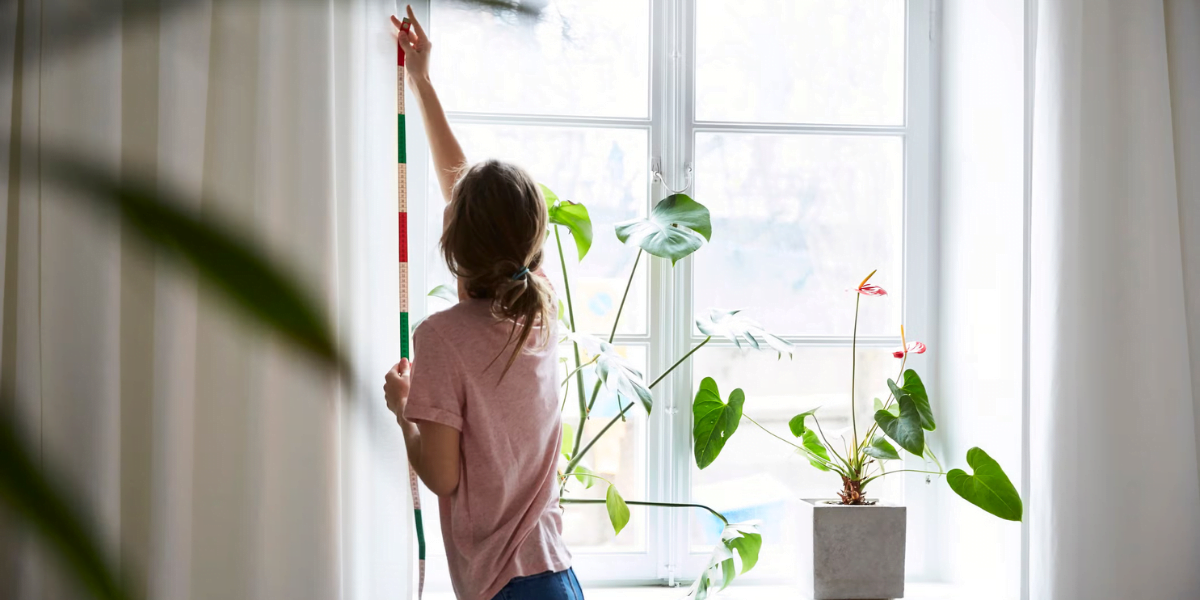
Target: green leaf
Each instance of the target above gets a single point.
(568, 438)
(736, 327)
(232, 265)
(618, 511)
(445, 292)
(617, 373)
(747, 545)
(38, 503)
(989, 488)
(881, 449)
(714, 421)
(728, 572)
(584, 475)
(573, 216)
(913, 387)
(677, 227)
(893, 408)
(811, 442)
(905, 429)
(797, 422)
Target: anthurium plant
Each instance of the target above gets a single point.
(901, 422)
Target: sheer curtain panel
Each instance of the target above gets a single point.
(216, 461)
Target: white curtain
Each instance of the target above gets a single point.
(1115, 301)
(216, 461)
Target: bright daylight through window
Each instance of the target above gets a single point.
(803, 127)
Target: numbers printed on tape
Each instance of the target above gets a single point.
(404, 287)
(402, 186)
(400, 90)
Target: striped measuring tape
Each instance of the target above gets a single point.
(405, 352)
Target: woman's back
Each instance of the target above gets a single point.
(503, 520)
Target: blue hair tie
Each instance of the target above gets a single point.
(519, 274)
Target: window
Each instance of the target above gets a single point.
(804, 127)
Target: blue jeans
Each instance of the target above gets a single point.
(544, 586)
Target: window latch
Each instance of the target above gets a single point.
(658, 176)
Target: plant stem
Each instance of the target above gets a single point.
(583, 408)
(680, 361)
(867, 439)
(808, 453)
(853, 367)
(616, 321)
(576, 456)
(866, 481)
(567, 379)
(621, 308)
(821, 431)
(644, 503)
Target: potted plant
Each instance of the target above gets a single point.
(676, 227)
(853, 545)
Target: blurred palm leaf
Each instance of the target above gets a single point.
(78, 23)
(31, 495)
(233, 266)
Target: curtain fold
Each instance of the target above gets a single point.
(1114, 327)
(216, 461)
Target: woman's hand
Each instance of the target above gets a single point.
(416, 46)
(396, 384)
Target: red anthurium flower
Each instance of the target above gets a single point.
(913, 347)
(870, 289)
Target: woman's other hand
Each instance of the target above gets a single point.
(416, 46)
(396, 384)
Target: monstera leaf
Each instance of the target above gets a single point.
(906, 428)
(677, 227)
(715, 421)
(742, 539)
(445, 292)
(989, 488)
(617, 373)
(737, 328)
(573, 216)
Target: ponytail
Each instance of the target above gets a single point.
(492, 241)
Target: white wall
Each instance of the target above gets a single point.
(979, 351)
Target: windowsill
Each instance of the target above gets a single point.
(913, 591)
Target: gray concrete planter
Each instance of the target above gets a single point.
(851, 552)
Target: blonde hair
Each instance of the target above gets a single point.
(492, 242)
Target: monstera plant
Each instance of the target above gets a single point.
(676, 227)
(901, 422)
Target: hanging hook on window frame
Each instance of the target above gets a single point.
(658, 176)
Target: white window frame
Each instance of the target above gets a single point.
(672, 127)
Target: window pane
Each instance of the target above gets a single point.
(797, 220)
(575, 57)
(801, 61)
(619, 457)
(758, 477)
(605, 169)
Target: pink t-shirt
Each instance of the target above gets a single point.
(504, 519)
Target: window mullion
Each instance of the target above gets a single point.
(682, 137)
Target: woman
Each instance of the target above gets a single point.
(480, 416)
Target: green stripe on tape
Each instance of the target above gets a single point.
(404, 335)
(420, 536)
(401, 134)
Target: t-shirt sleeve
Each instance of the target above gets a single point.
(437, 393)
